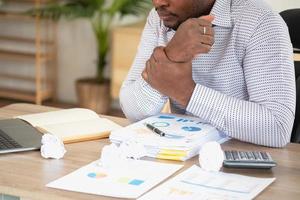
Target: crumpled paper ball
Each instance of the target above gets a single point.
(52, 147)
(211, 156)
(113, 155)
(132, 150)
(110, 156)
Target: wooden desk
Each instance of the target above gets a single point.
(26, 174)
(297, 57)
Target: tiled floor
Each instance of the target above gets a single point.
(112, 112)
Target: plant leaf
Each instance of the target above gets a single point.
(71, 9)
(133, 7)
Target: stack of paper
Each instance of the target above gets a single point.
(184, 136)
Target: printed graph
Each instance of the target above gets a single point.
(122, 180)
(176, 127)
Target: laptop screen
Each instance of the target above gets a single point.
(17, 135)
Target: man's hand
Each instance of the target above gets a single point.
(194, 36)
(171, 79)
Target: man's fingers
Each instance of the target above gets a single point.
(207, 30)
(152, 62)
(145, 75)
(159, 55)
(146, 71)
(203, 48)
(205, 20)
(206, 39)
(209, 18)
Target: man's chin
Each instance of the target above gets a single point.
(172, 25)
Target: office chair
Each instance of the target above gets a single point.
(296, 129)
(292, 18)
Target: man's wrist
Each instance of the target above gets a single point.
(168, 54)
(188, 94)
(180, 58)
(163, 50)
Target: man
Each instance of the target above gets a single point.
(228, 62)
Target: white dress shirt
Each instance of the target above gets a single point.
(245, 85)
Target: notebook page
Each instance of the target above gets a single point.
(59, 117)
(85, 129)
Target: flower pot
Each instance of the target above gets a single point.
(93, 95)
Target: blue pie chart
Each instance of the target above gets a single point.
(191, 128)
(166, 117)
(161, 124)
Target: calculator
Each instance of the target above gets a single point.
(248, 159)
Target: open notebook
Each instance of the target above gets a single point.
(72, 125)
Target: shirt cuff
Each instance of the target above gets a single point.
(150, 93)
(209, 105)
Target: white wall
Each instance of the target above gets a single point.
(280, 5)
(77, 55)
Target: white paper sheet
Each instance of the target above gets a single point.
(130, 180)
(195, 183)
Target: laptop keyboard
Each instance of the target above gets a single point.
(7, 142)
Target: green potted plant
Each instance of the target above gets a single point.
(100, 13)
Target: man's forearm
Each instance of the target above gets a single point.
(263, 123)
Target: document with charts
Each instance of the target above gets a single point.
(183, 138)
(195, 183)
(131, 180)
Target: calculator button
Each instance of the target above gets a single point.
(235, 155)
(242, 155)
(259, 156)
(250, 155)
(256, 155)
(264, 155)
(228, 155)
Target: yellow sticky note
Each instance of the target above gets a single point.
(170, 157)
(173, 152)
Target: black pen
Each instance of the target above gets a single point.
(155, 130)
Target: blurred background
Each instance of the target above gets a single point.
(57, 55)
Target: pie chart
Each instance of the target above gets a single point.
(166, 117)
(191, 128)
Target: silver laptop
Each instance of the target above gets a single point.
(17, 135)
